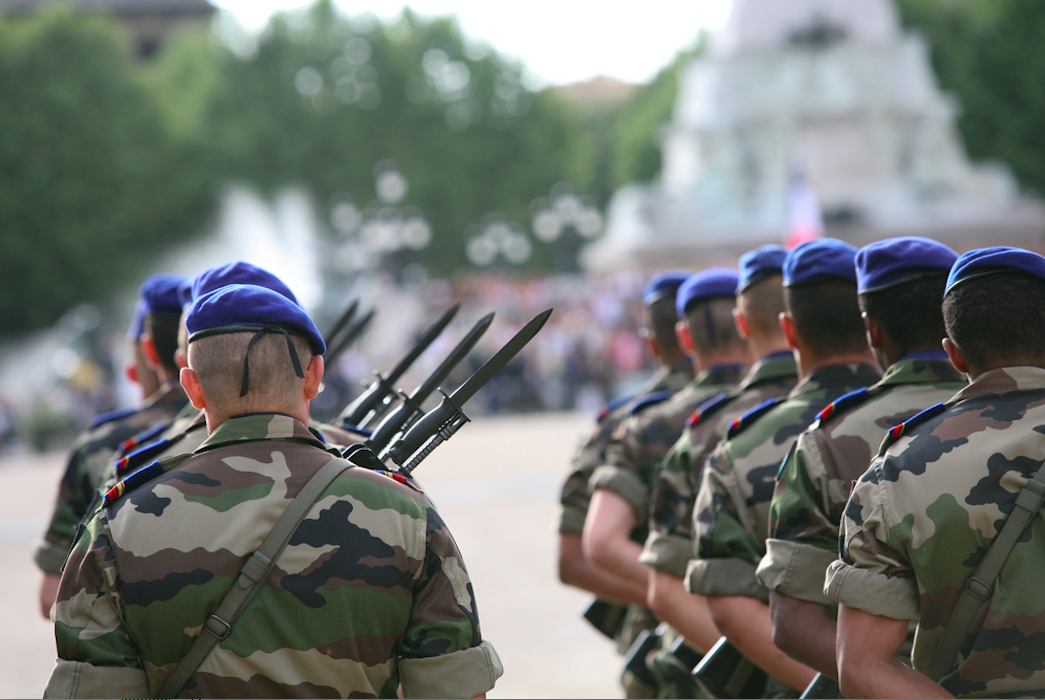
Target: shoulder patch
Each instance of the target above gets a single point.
(141, 438)
(142, 476)
(745, 421)
(708, 408)
(611, 407)
(129, 464)
(110, 416)
(897, 431)
(649, 400)
(843, 403)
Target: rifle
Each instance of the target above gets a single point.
(380, 394)
(635, 658)
(410, 409)
(725, 673)
(440, 424)
(345, 317)
(349, 337)
(604, 616)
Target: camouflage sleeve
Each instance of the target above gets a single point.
(803, 539)
(870, 574)
(95, 655)
(670, 543)
(442, 653)
(575, 494)
(621, 470)
(726, 551)
(75, 494)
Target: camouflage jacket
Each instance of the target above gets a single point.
(371, 590)
(592, 450)
(93, 453)
(642, 440)
(669, 546)
(921, 518)
(731, 514)
(814, 481)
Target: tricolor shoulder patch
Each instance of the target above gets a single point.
(709, 407)
(141, 476)
(141, 438)
(843, 403)
(651, 399)
(612, 406)
(110, 416)
(898, 431)
(132, 462)
(748, 419)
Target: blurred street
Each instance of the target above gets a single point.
(496, 485)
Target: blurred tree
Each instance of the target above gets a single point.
(987, 53)
(91, 183)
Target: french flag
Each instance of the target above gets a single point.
(803, 211)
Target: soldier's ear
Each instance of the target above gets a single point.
(131, 371)
(684, 337)
(152, 356)
(313, 377)
(787, 325)
(191, 384)
(650, 342)
(740, 321)
(955, 353)
(874, 331)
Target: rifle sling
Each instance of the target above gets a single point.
(253, 573)
(980, 585)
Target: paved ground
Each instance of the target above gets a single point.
(495, 484)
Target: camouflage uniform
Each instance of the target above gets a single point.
(592, 451)
(643, 440)
(921, 518)
(91, 456)
(814, 481)
(371, 591)
(669, 546)
(732, 510)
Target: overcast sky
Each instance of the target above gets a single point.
(560, 41)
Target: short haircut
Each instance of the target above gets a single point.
(661, 320)
(826, 315)
(163, 328)
(711, 325)
(217, 361)
(910, 313)
(762, 304)
(997, 317)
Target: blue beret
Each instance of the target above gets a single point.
(246, 307)
(137, 321)
(160, 294)
(239, 273)
(664, 284)
(824, 257)
(762, 262)
(707, 284)
(185, 292)
(883, 264)
(988, 261)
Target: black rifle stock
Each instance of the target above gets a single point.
(635, 658)
(373, 402)
(725, 673)
(407, 412)
(605, 616)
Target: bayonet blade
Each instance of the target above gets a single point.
(346, 316)
(426, 339)
(350, 336)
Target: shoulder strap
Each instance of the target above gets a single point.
(980, 585)
(218, 625)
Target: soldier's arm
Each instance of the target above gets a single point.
(868, 661)
(606, 540)
(802, 543)
(95, 654)
(443, 653)
(575, 570)
(686, 612)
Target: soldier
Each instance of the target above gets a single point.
(822, 323)
(617, 519)
(900, 282)
(919, 524)
(674, 371)
(369, 593)
(669, 546)
(154, 338)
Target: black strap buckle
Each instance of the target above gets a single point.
(979, 588)
(222, 632)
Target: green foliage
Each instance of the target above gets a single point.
(89, 179)
(988, 54)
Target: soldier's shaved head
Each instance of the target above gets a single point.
(660, 327)
(761, 304)
(712, 328)
(998, 320)
(910, 312)
(826, 316)
(218, 363)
